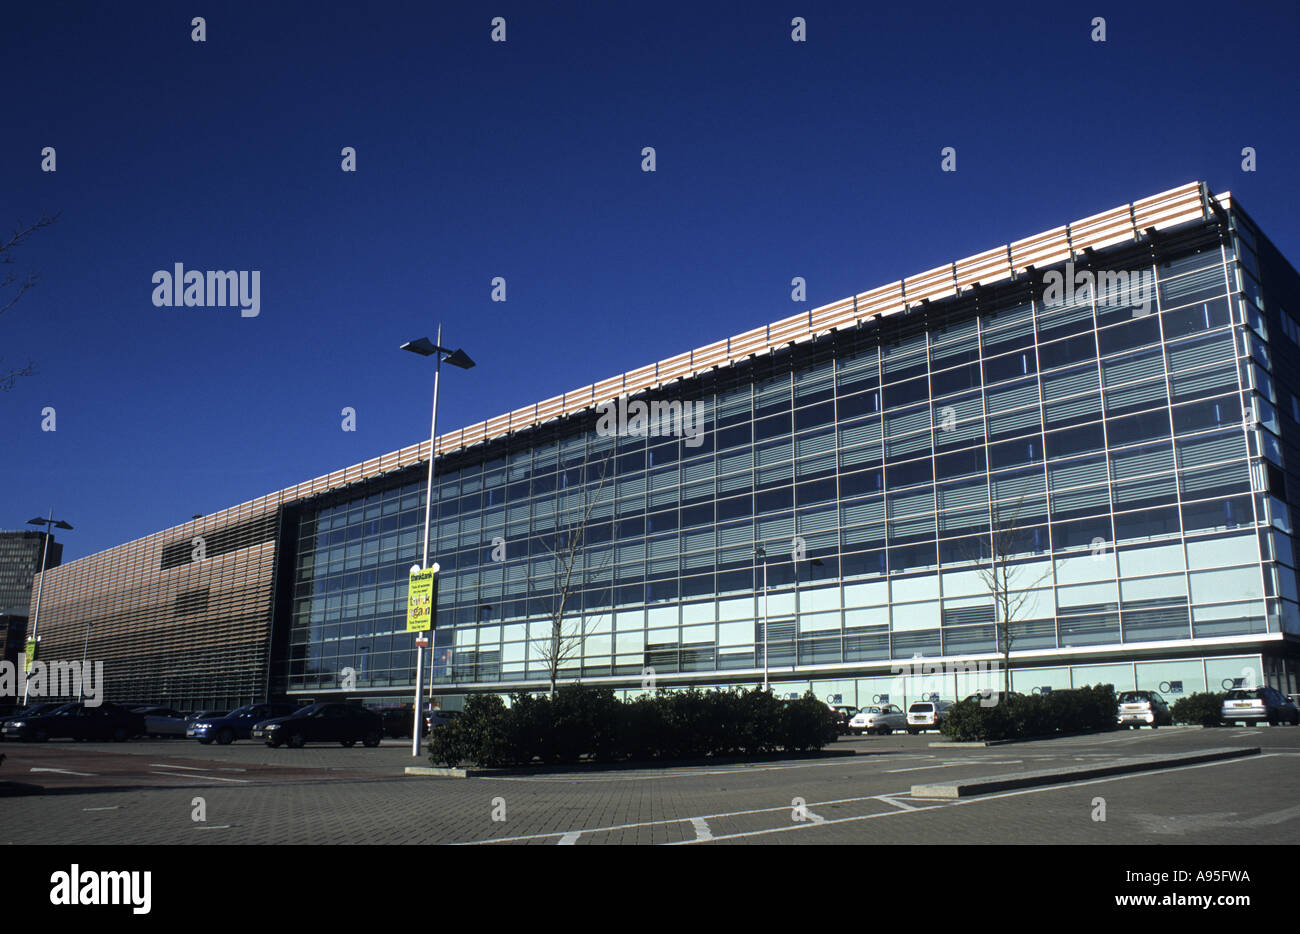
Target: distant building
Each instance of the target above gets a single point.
(20, 562)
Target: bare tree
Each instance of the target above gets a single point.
(1007, 579)
(14, 286)
(569, 573)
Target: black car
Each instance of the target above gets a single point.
(323, 723)
(33, 710)
(77, 721)
(397, 721)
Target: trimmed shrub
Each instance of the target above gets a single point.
(807, 724)
(1017, 717)
(590, 724)
(1204, 708)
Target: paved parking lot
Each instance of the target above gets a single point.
(144, 792)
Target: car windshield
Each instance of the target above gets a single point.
(312, 710)
(1134, 697)
(872, 710)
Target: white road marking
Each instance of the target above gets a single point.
(188, 768)
(111, 807)
(899, 804)
(209, 778)
(569, 839)
(62, 771)
(702, 831)
(215, 827)
(670, 820)
(968, 801)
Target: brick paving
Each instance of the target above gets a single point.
(328, 795)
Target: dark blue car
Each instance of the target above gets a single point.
(237, 724)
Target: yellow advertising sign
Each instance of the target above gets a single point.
(419, 600)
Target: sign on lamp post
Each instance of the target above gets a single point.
(421, 598)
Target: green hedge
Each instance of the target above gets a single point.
(1201, 709)
(1018, 716)
(586, 724)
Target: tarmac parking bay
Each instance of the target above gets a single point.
(143, 792)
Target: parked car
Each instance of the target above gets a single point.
(238, 724)
(1252, 705)
(162, 721)
(926, 715)
(77, 721)
(323, 723)
(436, 718)
(843, 714)
(204, 715)
(33, 710)
(881, 719)
(1142, 708)
(397, 721)
(990, 698)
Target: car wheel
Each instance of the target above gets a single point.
(297, 741)
(1272, 720)
(273, 743)
(885, 731)
(40, 736)
(347, 743)
(371, 739)
(912, 732)
(225, 737)
(119, 734)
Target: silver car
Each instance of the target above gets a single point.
(881, 719)
(1142, 708)
(1255, 705)
(926, 715)
(162, 721)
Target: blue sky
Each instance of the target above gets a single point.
(522, 160)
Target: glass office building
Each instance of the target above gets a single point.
(1107, 411)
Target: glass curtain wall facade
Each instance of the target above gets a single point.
(1131, 442)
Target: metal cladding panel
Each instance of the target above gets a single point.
(789, 330)
(673, 367)
(1044, 249)
(750, 342)
(835, 315)
(608, 389)
(989, 266)
(474, 434)
(1170, 208)
(882, 301)
(933, 284)
(523, 418)
(641, 377)
(550, 408)
(1103, 230)
(578, 399)
(710, 355)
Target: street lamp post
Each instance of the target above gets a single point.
(458, 358)
(762, 553)
(48, 522)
